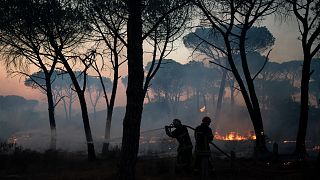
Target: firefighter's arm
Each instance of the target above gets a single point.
(210, 135)
(168, 131)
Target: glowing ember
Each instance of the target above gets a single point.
(143, 140)
(203, 109)
(251, 135)
(153, 140)
(12, 140)
(235, 136)
(286, 163)
(316, 148)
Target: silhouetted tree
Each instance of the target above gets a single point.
(124, 81)
(66, 91)
(64, 27)
(258, 40)
(291, 70)
(202, 80)
(169, 84)
(272, 92)
(194, 41)
(23, 45)
(135, 95)
(307, 14)
(37, 81)
(95, 90)
(136, 88)
(16, 113)
(287, 74)
(108, 19)
(233, 20)
(315, 81)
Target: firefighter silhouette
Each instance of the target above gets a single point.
(181, 133)
(203, 136)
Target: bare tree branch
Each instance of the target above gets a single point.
(264, 64)
(221, 66)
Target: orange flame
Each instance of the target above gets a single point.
(235, 136)
(203, 109)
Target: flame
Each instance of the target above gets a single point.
(235, 136)
(203, 109)
(231, 136)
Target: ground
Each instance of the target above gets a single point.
(29, 165)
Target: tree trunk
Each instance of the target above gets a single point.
(65, 109)
(70, 106)
(94, 112)
(107, 132)
(257, 121)
(197, 99)
(105, 147)
(204, 100)
(231, 84)
(53, 139)
(86, 124)
(231, 93)
(135, 93)
(260, 144)
(220, 96)
(213, 99)
(130, 146)
(83, 105)
(255, 114)
(304, 100)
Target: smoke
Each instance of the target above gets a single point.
(27, 120)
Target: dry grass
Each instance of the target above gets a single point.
(30, 165)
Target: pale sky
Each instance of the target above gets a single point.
(287, 47)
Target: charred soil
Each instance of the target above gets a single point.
(51, 165)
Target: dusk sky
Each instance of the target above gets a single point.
(287, 47)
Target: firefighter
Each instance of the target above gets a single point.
(184, 151)
(203, 136)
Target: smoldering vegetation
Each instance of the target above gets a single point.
(184, 91)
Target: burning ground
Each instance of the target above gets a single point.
(233, 132)
(157, 161)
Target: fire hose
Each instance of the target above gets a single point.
(214, 145)
(224, 153)
(142, 132)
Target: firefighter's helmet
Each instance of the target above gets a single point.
(176, 122)
(206, 119)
